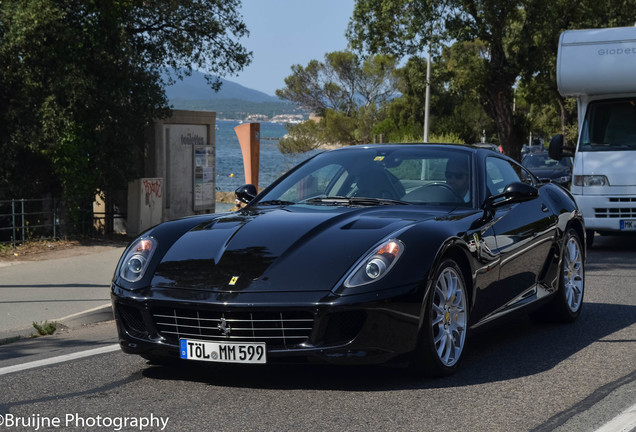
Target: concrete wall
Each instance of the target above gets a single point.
(145, 204)
(181, 150)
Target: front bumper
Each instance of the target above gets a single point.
(297, 327)
(605, 213)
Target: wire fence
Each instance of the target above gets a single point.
(24, 220)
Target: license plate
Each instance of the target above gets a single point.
(225, 352)
(628, 225)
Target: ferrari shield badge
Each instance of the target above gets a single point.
(233, 281)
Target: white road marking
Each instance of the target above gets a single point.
(624, 422)
(59, 359)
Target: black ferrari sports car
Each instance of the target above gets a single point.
(361, 255)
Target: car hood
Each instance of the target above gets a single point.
(291, 248)
(617, 166)
(552, 173)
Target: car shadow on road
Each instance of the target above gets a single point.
(516, 349)
(623, 242)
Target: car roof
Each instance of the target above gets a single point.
(469, 148)
(394, 146)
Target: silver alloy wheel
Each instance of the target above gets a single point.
(573, 277)
(448, 316)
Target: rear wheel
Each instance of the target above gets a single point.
(572, 277)
(445, 323)
(566, 304)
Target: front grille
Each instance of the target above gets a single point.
(615, 213)
(277, 329)
(344, 326)
(623, 199)
(132, 321)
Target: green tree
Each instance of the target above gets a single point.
(520, 39)
(343, 82)
(461, 76)
(345, 91)
(494, 23)
(81, 79)
(548, 111)
(458, 109)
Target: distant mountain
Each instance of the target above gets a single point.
(232, 101)
(195, 87)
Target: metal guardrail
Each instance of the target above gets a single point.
(24, 219)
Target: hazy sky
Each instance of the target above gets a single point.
(288, 32)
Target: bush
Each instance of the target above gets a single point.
(46, 328)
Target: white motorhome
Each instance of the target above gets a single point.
(598, 67)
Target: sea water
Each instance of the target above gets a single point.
(230, 173)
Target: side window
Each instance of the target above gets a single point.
(500, 173)
(524, 175)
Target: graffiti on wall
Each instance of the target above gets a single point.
(153, 187)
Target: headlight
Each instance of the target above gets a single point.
(376, 264)
(137, 258)
(590, 180)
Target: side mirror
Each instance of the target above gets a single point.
(557, 149)
(513, 193)
(246, 193)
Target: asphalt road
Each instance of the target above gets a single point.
(519, 376)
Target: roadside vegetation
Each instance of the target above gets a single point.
(492, 77)
(81, 80)
(36, 249)
(46, 328)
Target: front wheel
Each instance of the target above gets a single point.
(443, 333)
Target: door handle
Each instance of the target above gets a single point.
(544, 208)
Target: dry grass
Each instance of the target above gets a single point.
(45, 249)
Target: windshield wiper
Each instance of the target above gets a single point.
(361, 201)
(275, 202)
(376, 201)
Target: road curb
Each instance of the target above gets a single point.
(90, 316)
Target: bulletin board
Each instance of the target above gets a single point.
(203, 177)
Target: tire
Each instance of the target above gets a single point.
(566, 305)
(443, 333)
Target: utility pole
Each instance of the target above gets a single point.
(427, 100)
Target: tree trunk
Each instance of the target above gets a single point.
(499, 108)
(499, 95)
(563, 111)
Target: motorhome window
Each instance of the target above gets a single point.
(609, 126)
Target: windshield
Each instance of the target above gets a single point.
(544, 161)
(379, 175)
(609, 126)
